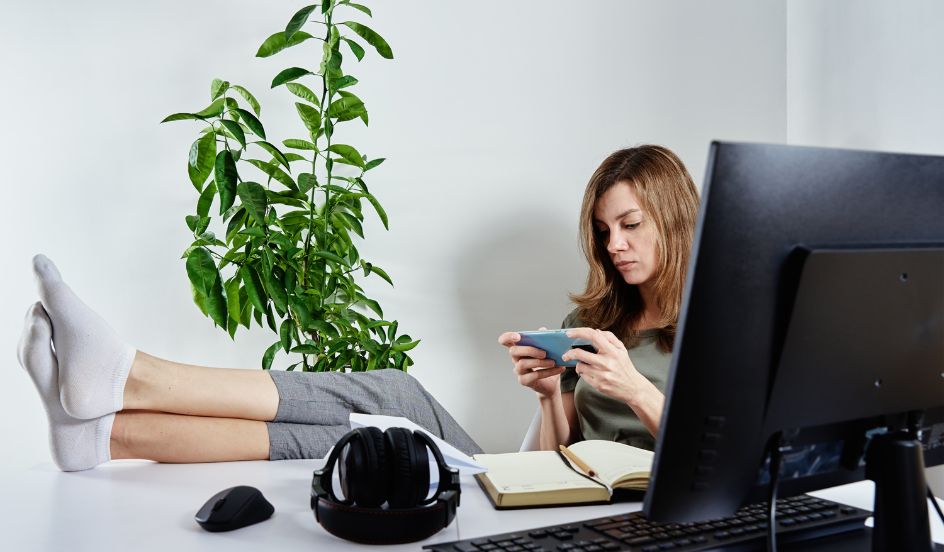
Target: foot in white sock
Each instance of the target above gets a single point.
(75, 444)
(93, 361)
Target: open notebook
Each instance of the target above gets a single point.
(546, 478)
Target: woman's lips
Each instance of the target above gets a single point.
(624, 264)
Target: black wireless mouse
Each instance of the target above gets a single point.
(234, 508)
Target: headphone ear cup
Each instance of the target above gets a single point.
(366, 482)
(407, 476)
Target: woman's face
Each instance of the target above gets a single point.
(628, 233)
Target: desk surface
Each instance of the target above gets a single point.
(136, 505)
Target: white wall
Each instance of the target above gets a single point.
(867, 75)
(493, 115)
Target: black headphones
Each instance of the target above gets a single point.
(380, 467)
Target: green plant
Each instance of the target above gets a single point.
(287, 254)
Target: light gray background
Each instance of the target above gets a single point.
(493, 115)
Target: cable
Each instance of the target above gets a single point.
(776, 458)
(936, 505)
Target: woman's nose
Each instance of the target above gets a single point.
(616, 243)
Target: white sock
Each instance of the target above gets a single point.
(93, 361)
(75, 444)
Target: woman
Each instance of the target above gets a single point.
(105, 400)
(636, 224)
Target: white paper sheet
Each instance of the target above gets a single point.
(453, 456)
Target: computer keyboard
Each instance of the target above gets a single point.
(798, 518)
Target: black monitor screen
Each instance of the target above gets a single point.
(771, 217)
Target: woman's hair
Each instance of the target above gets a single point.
(669, 199)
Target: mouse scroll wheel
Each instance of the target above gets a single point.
(219, 504)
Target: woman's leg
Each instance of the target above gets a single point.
(175, 438)
(326, 399)
(166, 386)
(100, 374)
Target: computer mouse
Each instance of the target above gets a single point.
(234, 508)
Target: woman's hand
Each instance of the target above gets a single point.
(531, 367)
(610, 370)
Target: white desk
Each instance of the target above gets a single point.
(133, 505)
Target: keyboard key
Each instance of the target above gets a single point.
(538, 534)
(465, 547)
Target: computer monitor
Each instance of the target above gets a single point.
(812, 316)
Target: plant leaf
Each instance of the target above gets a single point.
(236, 130)
(274, 172)
(217, 87)
(254, 124)
(250, 99)
(203, 274)
(288, 75)
(277, 42)
(180, 117)
(285, 333)
(360, 7)
(306, 181)
(303, 92)
(226, 177)
(310, 116)
(212, 110)
(374, 163)
(200, 162)
(343, 82)
(371, 37)
(295, 143)
(349, 153)
(206, 199)
(330, 256)
(269, 355)
(306, 349)
(298, 21)
(276, 153)
(356, 48)
(254, 288)
(275, 290)
(346, 108)
(232, 298)
(253, 196)
(380, 272)
(380, 211)
(405, 346)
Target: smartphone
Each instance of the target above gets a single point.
(555, 343)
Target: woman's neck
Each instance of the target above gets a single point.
(651, 314)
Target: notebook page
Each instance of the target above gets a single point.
(533, 471)
(612, 460)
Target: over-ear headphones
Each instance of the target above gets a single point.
(378, 467)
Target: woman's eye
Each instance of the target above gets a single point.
(631, 226)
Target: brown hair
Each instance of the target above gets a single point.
(668, 197)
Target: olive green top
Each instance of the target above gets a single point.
(601, 417)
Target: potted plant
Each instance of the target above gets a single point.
(288, 216)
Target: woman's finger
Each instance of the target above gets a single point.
(530, 364)
(615, 341)
(595, 337)
(525, 351)
(508, 339)
(581, 356)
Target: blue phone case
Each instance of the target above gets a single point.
(555, 343)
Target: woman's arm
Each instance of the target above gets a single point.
(558, 421)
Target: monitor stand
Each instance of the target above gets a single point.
(895, 462)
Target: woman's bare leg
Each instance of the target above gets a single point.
(174, 438)
(167, 386)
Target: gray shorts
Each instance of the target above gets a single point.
(314, 408)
